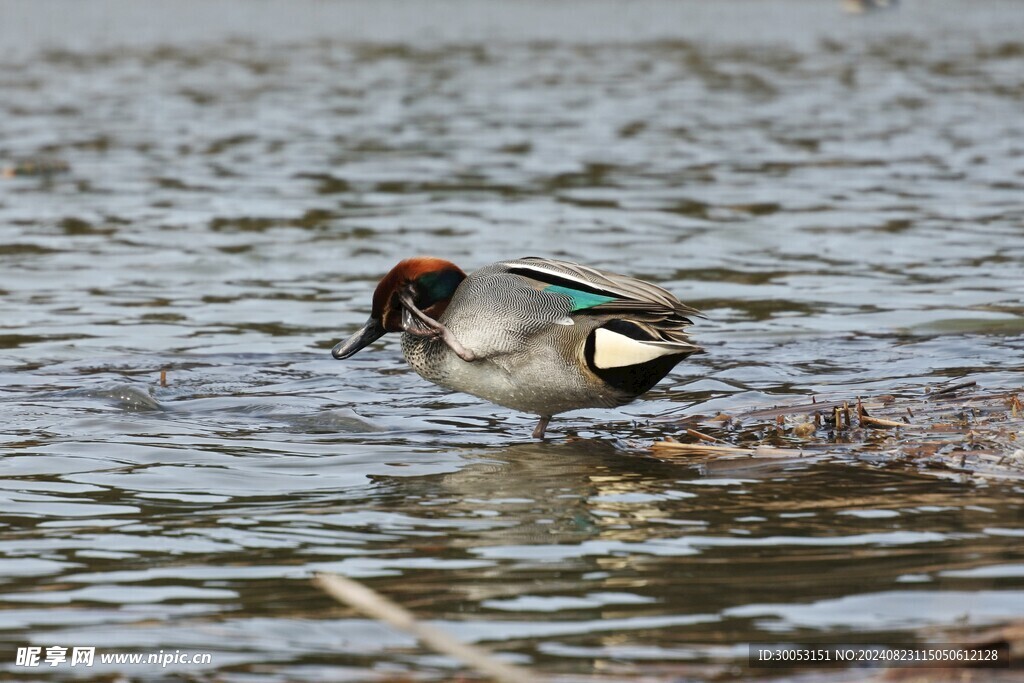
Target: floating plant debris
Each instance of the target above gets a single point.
(41, 167)
(961, 428)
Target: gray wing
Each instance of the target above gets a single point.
(623, 287)
(499, 312)
(502, 307)
(661, 316)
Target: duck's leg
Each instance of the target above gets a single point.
(435, 329)
(538, 432)
(461, 351)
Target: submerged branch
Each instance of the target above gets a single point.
(375, 605)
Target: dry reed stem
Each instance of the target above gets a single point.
(375, 605)
(708, 449)
(702, 436)
(880, 422)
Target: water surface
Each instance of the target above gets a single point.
(841, 196)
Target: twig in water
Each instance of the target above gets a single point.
(707, 449)
(375, 605)
(953, 389)
(702, 436)
(880, 422)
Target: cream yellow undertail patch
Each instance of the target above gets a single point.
(614, 350)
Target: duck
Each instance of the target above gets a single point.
(537, 335)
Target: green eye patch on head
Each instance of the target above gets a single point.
(439, 284)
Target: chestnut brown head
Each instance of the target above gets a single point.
(425, 281)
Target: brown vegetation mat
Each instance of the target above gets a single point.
(958, 428)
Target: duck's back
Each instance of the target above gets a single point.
(497, 311)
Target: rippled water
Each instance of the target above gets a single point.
(842, 196)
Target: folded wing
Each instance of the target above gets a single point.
(650, 320)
